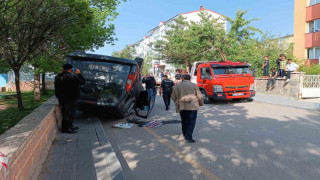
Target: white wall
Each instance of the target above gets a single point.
(158, 32)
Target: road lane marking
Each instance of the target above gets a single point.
(187, 159)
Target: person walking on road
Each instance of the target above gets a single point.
(166, 90)
(67, 90)
(188, 99)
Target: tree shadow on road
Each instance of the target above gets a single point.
(234, 141)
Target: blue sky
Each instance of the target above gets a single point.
(137, 17)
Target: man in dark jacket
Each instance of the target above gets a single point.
(150, 83)
(67, 90)
(166, 90)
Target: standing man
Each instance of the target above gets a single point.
(266, 67)
(67, 90)
(178, 74)
(150, 84)
(283, 64)
(168, 75)
(291, 67)
(187, 99)
(166, 89)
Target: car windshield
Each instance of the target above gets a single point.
(230, 70)
(103, 79)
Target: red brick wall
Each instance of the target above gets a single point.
(26, 163)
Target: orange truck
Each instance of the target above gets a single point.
(223, 80)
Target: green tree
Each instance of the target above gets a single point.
(147, 64)
(208, 40)
(176, 46)
(68, 24)
(128, 52)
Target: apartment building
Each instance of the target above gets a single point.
(307, 31)
(143, 48)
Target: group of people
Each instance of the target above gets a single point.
(177, 76)
(284, 69)
(185, 95)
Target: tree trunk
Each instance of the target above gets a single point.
(17, 81)
(187, 63)
(44, 83)
(37, 94)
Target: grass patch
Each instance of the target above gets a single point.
(11, 116)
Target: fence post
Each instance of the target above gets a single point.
(301, 78)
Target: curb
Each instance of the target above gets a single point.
(304, 105)
(111, 161)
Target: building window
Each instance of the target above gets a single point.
(314, 53)
(314, 26)
(317, 52)
(313, 2)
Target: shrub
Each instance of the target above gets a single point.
(310, 70)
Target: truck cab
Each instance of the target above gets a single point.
(223, 80)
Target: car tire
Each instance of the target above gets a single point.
(126, 109)
(249, 99)
(206, 99)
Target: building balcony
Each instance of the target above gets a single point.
(313, 12)
(312, 39)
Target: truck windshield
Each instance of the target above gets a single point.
(102, 78)
(230, 70)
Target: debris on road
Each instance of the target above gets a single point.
(122, 125)
(154, 124)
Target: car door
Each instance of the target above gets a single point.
(145, 103)
(205, 79)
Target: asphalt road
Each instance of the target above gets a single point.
(248, 140)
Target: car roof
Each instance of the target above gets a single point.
(98, 57)
(225, 63)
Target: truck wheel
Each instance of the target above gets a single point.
(206, 99)
(249, 99)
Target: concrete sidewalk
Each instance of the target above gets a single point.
(310, 104)
(86, 155)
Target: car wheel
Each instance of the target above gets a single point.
(249, 99)
(206, 99)
(126, 109)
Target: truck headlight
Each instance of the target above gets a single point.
(251, 87)
(217, 88)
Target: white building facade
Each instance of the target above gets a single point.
(144, 50)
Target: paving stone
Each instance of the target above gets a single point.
(84, 155)
(85, 166)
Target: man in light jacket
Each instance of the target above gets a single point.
(187, 99)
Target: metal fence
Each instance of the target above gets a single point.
(311, 81)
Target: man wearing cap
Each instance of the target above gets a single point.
(166, 90)
(187, 99)
(67, 90)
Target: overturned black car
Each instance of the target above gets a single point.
(113, 85)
